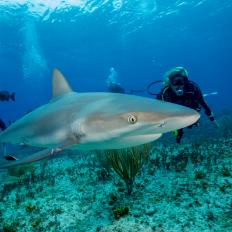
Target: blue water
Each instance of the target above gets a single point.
(141, 39)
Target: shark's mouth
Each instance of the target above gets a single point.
(142, 138)
(119, 142)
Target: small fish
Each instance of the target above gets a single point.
(7, 96)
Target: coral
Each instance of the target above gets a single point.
(120, 211)
(200, 174)
(225, 171)
(210, 216)
(57, 211)
(10, 227)
(36, 222)
(224, 186)
(112, 198)
(30, 208)
(18, 198)
(103, 175)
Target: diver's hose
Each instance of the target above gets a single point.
(148, 89)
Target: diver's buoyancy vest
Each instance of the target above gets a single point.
(189, 98)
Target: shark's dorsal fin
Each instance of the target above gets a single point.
(59, 84)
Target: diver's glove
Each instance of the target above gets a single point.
(211, 117)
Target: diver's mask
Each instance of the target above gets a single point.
(177, 84)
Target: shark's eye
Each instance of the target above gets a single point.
(132, 119)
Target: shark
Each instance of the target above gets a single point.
(93, 121)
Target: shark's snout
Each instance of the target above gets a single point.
(172, 121)
(191, 118)
(183, 120)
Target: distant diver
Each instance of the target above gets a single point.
(112, 82)
(180, 90)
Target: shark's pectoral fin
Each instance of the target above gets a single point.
(34, 157)
(10, 157)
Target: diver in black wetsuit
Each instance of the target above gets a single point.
(178, 89)
(115, 88)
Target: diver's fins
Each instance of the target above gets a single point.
(210, 94)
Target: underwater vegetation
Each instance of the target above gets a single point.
(125, 162)
(120, 211)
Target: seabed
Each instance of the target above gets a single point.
(185, 187)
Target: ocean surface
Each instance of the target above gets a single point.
(84, 39)
(139, 40)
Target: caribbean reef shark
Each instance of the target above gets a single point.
(95, 120)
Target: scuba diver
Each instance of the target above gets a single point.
(112, 82)
(115, 87)
(180, 90)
